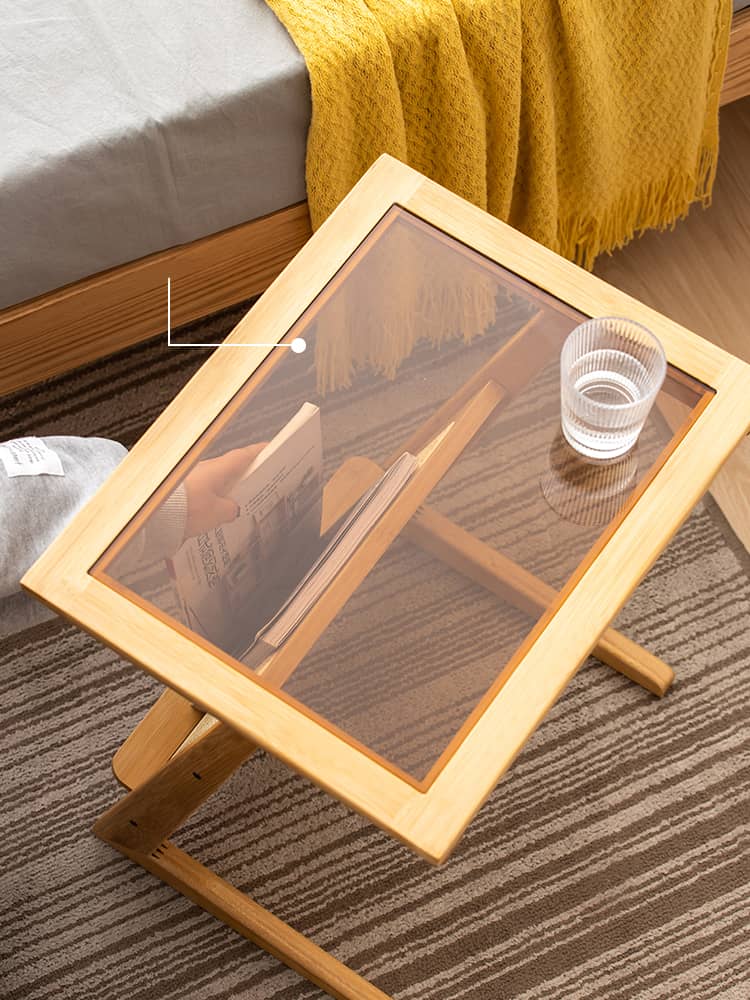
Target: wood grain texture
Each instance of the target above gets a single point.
(737, 75)
(698, 275)
(153, 741)
(430, 822)
(161, 804)
(86, 320)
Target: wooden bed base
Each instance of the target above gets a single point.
(89, 319)
(48, 335)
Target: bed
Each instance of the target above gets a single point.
(174, 149)
(174, 124)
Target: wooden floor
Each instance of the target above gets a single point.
(699, 274)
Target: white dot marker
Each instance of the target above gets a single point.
(298, 345)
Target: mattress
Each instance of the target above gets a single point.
(133, 127)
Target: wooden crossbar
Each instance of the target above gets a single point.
(505, 578)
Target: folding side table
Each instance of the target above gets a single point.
(438, 648)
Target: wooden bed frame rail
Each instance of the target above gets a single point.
(51, 334)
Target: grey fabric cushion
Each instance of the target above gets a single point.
(128, 128)
(33, 511)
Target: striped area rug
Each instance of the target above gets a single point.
(611, 862)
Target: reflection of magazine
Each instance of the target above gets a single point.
(247, 585)
(232, 579)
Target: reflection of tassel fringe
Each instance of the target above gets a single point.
(356, 332)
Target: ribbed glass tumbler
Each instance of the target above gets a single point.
(611, 370)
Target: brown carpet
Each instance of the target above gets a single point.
(612, 861)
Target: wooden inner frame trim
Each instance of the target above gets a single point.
(335, 504)
(430, 822)
(281, 664)
(261, 373)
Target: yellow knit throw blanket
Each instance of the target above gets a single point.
(580, 122)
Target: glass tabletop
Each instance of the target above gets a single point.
(419, 344)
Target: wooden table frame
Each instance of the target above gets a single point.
(205, 726)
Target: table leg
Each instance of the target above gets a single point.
(139, 823)
(158, 806)
(502, 576)
(169, 721)
(221, 899)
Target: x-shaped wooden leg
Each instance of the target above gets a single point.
(140, 822)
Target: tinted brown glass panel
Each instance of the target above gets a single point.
(413, 321)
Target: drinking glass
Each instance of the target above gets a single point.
(611, 370)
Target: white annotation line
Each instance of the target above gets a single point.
(298, 345)
(220, 343)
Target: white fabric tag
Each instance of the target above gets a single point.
(29, 457)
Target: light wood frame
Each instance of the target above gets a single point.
(431, 822)
(88, 319)
(174, 765)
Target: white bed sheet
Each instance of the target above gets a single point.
(127, 128)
